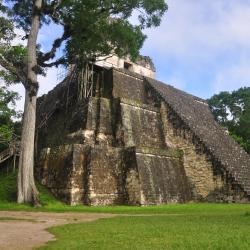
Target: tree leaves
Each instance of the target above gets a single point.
(92, 28)
(7, 114)
(232, 110)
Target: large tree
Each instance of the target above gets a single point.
(232, 110)
(91, 28)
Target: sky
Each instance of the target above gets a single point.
(201, 47)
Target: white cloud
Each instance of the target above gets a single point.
(49, 82)
(20, 90)
(46, 83)
(196, 26)
(201, 37)
(232, 78)
(18, 40)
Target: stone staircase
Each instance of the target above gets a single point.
(195, 114)
(8, 153)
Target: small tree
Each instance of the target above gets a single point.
(91, 28)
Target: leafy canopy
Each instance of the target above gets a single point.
(12, 66)
(232, 110)
(7, 114)
(91, 28)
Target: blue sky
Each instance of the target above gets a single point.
(202, 47)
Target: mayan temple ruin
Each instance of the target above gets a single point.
(112, 134)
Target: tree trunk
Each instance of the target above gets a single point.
(27, 192)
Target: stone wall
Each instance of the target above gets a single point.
(142, 66)
(103, 175)
(64, 171)
(141, 125)
(128, 86)
(107, 177)
(125, 145)
(162, 176)
(116, 175)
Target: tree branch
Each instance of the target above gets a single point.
(103, 59)
(51, 54)
(56, 63)
(18, 73)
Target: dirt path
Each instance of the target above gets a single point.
(27, 230)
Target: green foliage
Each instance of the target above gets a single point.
(6, 30)
(92, 28)
(102, 27)
(8, 188)
(16, 56)
(232, 110)
(8, 193)
(7, 114)
(119, 37)
(12, 57)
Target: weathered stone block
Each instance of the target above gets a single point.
(128, 86)
(64, 171)
(163, 178)
(142, 126)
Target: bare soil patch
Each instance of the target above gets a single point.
(27, 230)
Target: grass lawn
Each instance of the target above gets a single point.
(180, 226)
(156, 232)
